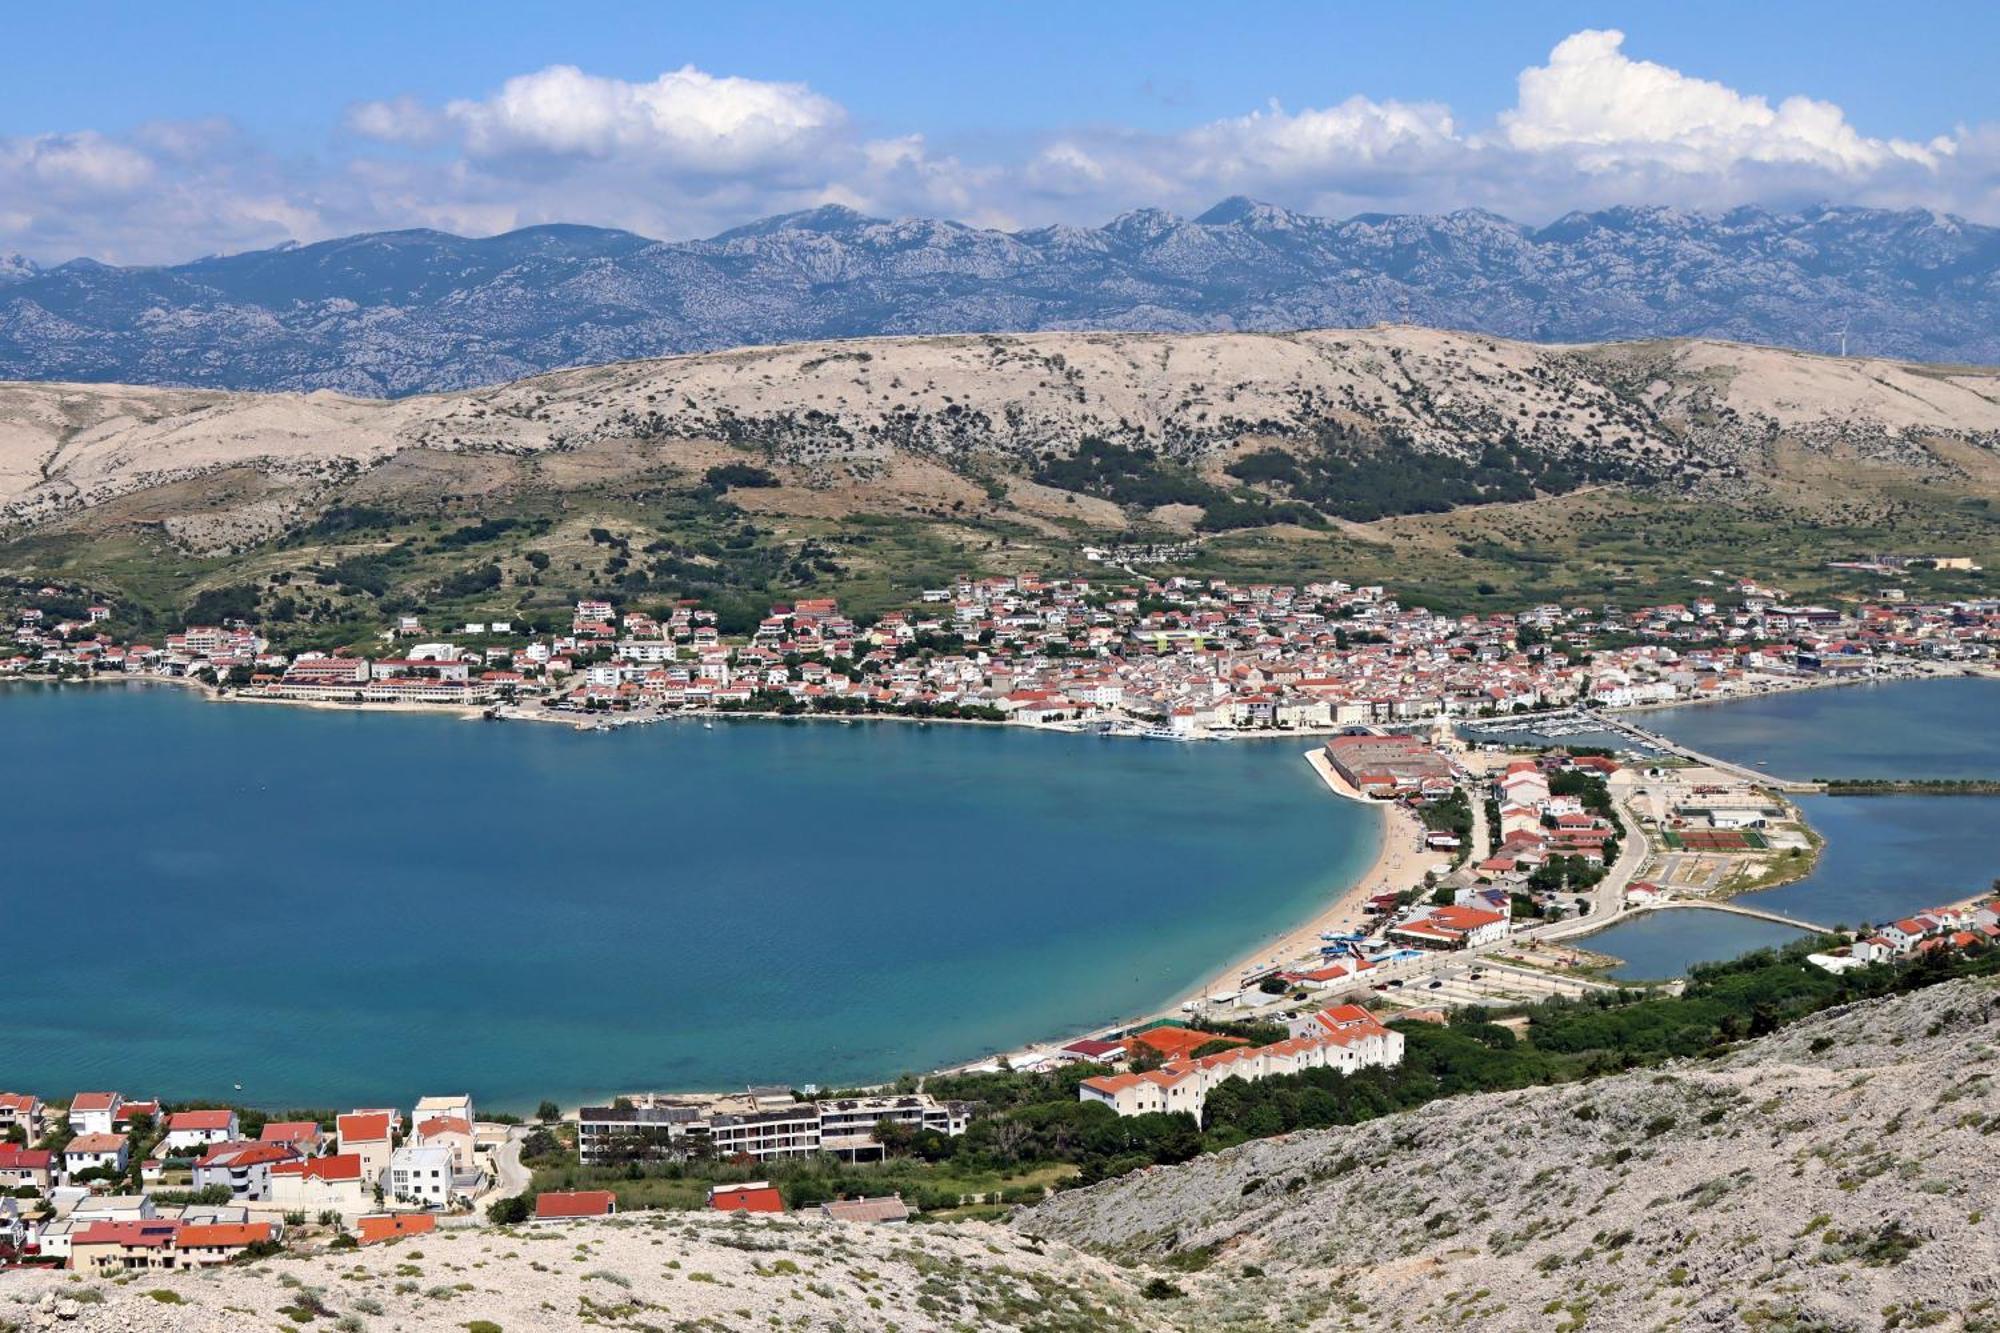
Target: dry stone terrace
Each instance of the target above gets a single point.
(1173, 657)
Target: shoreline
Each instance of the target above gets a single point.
(1398, 863)
(1393, 869)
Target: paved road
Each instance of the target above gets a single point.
(512, 1178)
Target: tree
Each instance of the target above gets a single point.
(508, 1212)
(548, 1111)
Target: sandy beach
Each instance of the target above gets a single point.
(1399, 864)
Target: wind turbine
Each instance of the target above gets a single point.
(1843, 335)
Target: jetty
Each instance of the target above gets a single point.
(1738, 909)
(1578, 927)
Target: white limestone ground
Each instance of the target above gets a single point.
(677, 1271)
(848, 405)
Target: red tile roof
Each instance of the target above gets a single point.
(290, 1131)
(364, 1127)
(746, 1199)
(340, 1166)
(575, 1203)
(388, 1226)
(226, 1234)
(200, 1120)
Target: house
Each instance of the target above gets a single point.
(1095, 1050)
(421, 1176)
(119, 1247)
(23, 1111)
(163, 1243)
(94, 1112)
(756, 1196)
(129, 1113)
(1452, 927)
(457, 1106)
(311, 1184)
(368, 1135)
(92, 1152)
(390, 1226)
(887, 1208)
(200, 1244)
(570, 1205)
(198, 1129)
(304, 1135)
(27, 1168)
(451, 1133)
(242, 1166)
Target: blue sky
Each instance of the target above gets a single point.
(156, 132)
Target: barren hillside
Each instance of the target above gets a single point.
(1675, 413)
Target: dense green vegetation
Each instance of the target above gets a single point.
(1035, 1132)
(1140, 479)
(1348, 474)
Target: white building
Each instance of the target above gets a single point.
(1345, 1037)
(94, 1112)
(198, 1129)
(318, 1183)
(369, 1136)
(87, 1152)
(420, 1176)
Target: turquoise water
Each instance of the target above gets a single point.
(1885, 856)
(340, 909)
(1659, 945)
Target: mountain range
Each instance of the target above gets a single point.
(387, 314)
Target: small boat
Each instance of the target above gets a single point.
(708, 726)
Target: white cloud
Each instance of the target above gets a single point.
(1607, 110)
(692, 152)
(686, 118)
(74, 166)
(400, 120)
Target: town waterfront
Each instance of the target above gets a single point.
(340, 908)
(1885, 856)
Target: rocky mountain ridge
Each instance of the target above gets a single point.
(393, 313)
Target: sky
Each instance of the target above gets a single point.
(147, 133)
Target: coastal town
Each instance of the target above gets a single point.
(1509, 833)
(1175, 657)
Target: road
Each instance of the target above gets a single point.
(511, 1178)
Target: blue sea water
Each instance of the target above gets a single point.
(1948, 728)
(338, 909)
(1885, 856)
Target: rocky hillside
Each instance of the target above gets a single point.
(418, 311)
(1837, 1175)
(1220, 431)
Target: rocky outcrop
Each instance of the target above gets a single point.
(1837, 1175)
